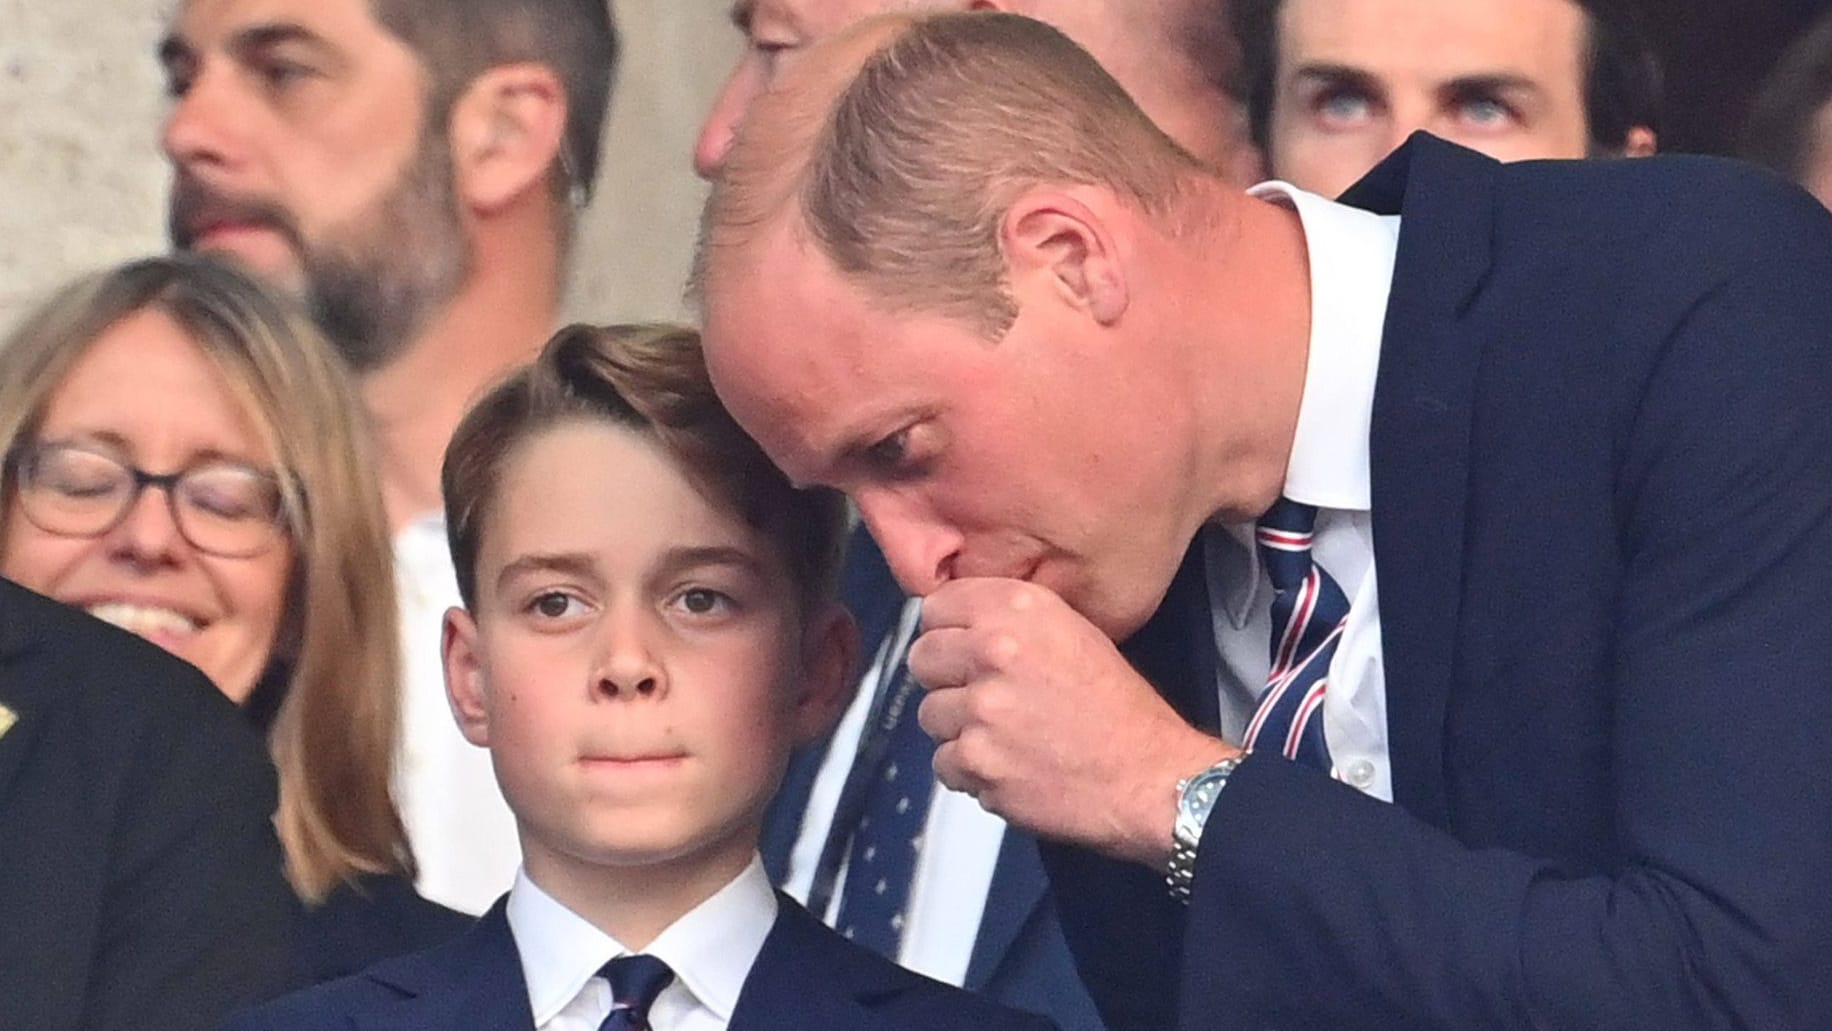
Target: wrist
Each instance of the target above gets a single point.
(1154, 832)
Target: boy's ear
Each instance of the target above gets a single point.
(464, 681)
(830, 653)
(507, 130)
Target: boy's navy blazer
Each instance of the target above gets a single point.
(1601, 460)
(807, 976)
(1019, 955)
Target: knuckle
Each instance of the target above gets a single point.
(980, 706)
(1001, 649)
(1027, 596)
(973, 750)
(929, 716)
(948, 767)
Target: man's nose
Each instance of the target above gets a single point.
(721, 124)
(199, 129)
(920, 550)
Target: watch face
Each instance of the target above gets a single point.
(1199, 795)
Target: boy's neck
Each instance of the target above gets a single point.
(633, 904)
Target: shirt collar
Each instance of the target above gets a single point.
(710, 949)
(1351, 273)
(1351, 255)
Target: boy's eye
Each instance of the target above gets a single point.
(702, 601)
(553, 604)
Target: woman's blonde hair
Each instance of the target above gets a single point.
(332, 681)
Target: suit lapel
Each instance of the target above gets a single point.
(1420, 441)
(473, 982)
(808, 977)
(1017, 891)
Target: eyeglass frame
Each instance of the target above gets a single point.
(27, 455)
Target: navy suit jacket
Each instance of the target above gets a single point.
(807, 976)
(1019, 956)
(1602, 519)
(140, 882)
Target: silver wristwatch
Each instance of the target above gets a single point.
(1195, 799)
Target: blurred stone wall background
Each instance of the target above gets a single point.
(82, 183)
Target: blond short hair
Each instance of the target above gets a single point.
(335, 662)
(902, 175)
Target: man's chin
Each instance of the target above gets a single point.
(1118, 627)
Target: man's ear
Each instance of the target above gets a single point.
(830, 656)
(464, 679)
(507, 130)
(1062, 239)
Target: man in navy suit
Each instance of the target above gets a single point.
(1571, 417)
(649, 626)
(976, 900)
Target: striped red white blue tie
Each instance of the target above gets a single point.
(1308, 612)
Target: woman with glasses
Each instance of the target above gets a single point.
(184, 458)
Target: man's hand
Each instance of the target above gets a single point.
(1039, 717)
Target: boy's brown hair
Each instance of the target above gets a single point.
(651, 379)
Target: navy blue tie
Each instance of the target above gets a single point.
(881, 861)
(635, 982)
(1308, 613)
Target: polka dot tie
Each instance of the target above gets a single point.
(882, 859)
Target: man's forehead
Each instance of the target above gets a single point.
(808, 20)
(783, 330)
(204, 21)
(1463, 37)
(772, 267)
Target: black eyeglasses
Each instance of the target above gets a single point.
(220, 507)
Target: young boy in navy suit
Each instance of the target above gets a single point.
(649, 627)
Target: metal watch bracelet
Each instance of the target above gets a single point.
(1195, 800)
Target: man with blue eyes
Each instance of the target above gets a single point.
(412, 171)
(1333, 86)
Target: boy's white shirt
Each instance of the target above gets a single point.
(711, 950)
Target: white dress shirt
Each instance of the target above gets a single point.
(711, 950)
(1351, 272)
(961, 844)
(461, 830)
